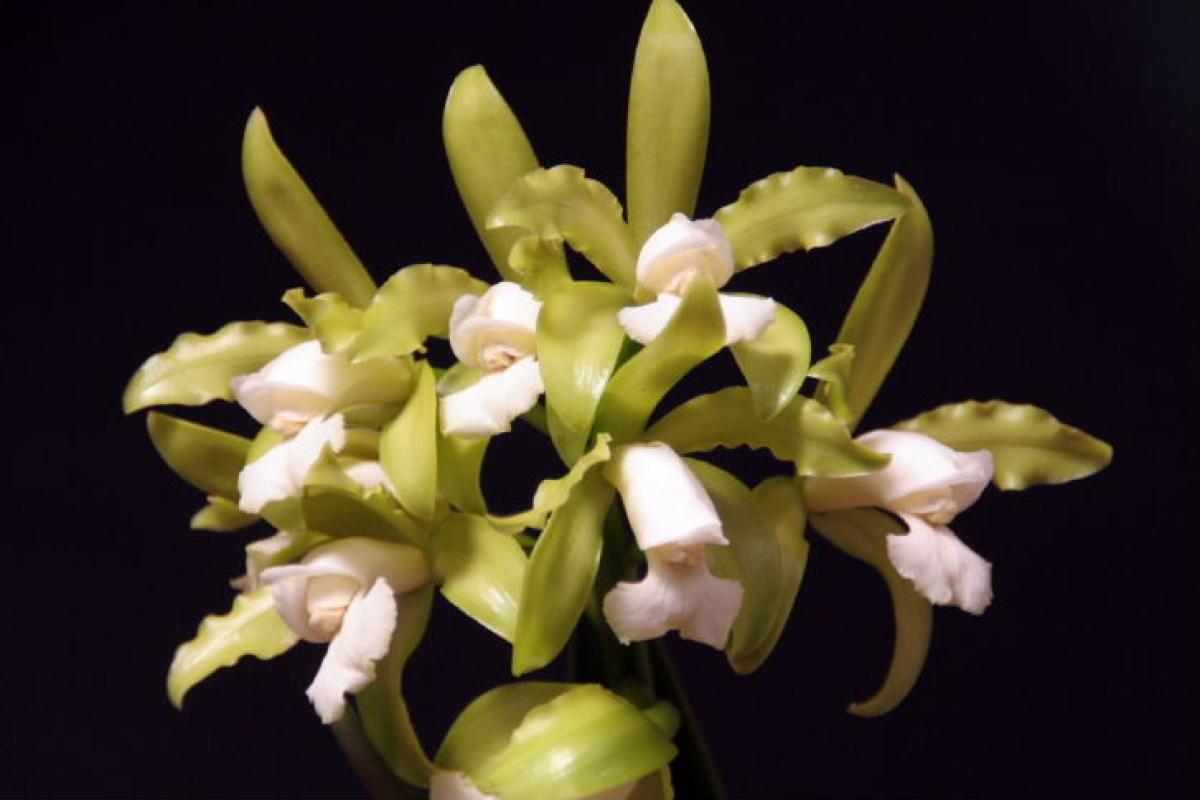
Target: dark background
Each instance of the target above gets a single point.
(1055, 145)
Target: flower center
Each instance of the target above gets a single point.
(498, 357)
(328, 598)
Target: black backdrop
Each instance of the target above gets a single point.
(1055, 145)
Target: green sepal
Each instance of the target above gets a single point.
(221, 515)
(482, 730)
(775, 363)
(695, 332)
(381, 704)
(334, 504)
(803, 209)
(196, 368)
(411, 306)
(459, 464)
(295, 221)
(862, 533)
(804, 432)
(488, 152)
(752, 558)
(561, 203)
(481, 571)
(408, 448)
(331, 319)
(578, 342)
(1030, 447)
(667, 131)
(251, 628)
(833, 374)
(540, 264)
(886, 305)
(562, 570)
(553, 492)
(266, 438)
(205, 457)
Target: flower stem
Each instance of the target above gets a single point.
(694, 770)
(379, 781)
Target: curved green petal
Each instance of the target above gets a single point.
(295, 220)
(221, 515)
(833, 373)
(408, 448)
(251, 628)
(667, 131)
(205, 457)
(488, 152)
(862, 533)
(352, 511)
(411, 306)
(775, 363)
(553, 492)
(196, 368)
(804, 433)
(481, 571)
(459, 464)
(540, 264)
(481, 732)
(799, 210)
(330, 318)
(563, 203)
(1029, 445)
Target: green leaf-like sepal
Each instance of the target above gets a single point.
(295, 220)
(481, 571)
(408, 448)
(833, 373)
(553, 492)
(799, 210)
(561, 203)
(330, 318)
(411, 306)
(196, 368)
(205, 457)
(862, 533)
(1030, 446)
(251, 628)
(221, 515)
(775, 363)
(804, 432)
(459, 464)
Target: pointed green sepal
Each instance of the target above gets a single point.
(833, 374)
(553, 492)
(331, 319)
(481, 571)
(221, 515)
(459, 464)
(205, 457)
(775, 363)
(408, 448)
(411, 306)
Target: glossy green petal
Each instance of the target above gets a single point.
(887, 304)
(482, 731)
(752, 558)
(799, 210)
(862, 533)
(562, 203)
(696, 332)
(251, 628)
(347, 512)
(408, 448)
(221, 515)
(668, 120)
(804, 433)
(553, 492)
(481, 571)
(540, 264)
(411, 306)
(196, 368)
(488, 152)
(833, 372)
(205, 457)
(775, 363)
(381, 705)
(459, 464)
(1030, 447)
(562, 570)
(295, 220)
(579, 340)
(330, 318)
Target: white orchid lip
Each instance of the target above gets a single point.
(280, 472)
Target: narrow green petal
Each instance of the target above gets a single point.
(408, 448)
(540, 264)
(330, 318)
(344, 512)
(803, 209)
(553, 492)
(1030, 447)
(862, 533)
(833, 372)
(251, 628)
(205, 457)
(668, 120)
(481, 571)
(775, 363)
(482, 731)
(196, 368)
(221, 515)
(459, 464)
(411, 306)
(295, 220)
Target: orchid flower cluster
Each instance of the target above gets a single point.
(367, 460)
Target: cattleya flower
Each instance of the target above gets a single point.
(280, 472)
(669, 260)
(344, 594)
(447, 785)
(926, 484)
(673, 520)
(495, 332)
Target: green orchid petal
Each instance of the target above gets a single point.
(488, 152)
(221, 515)
(804, 432)
(862, 533)
(668, 120)
(251, 628)
(553, 492)
(540, 264)
(482, 731)
(803, 209)
(887, 304)
(459, 464)
(696, 332)
(196, 368)
(344, 512)
(205, 457)
(562, 570)
(1030, 447)
(411, 306)
(266, 439)
(330, 318)
(295, 220)
(833, 372)
(481, 571)
(775, 363)
(562, 203)
(408, 448)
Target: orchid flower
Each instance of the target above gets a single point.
(344, 594)
(926, 484)
(673, 520)
(280, 472)
(497, 333)
(453, 785)
(669, 260)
